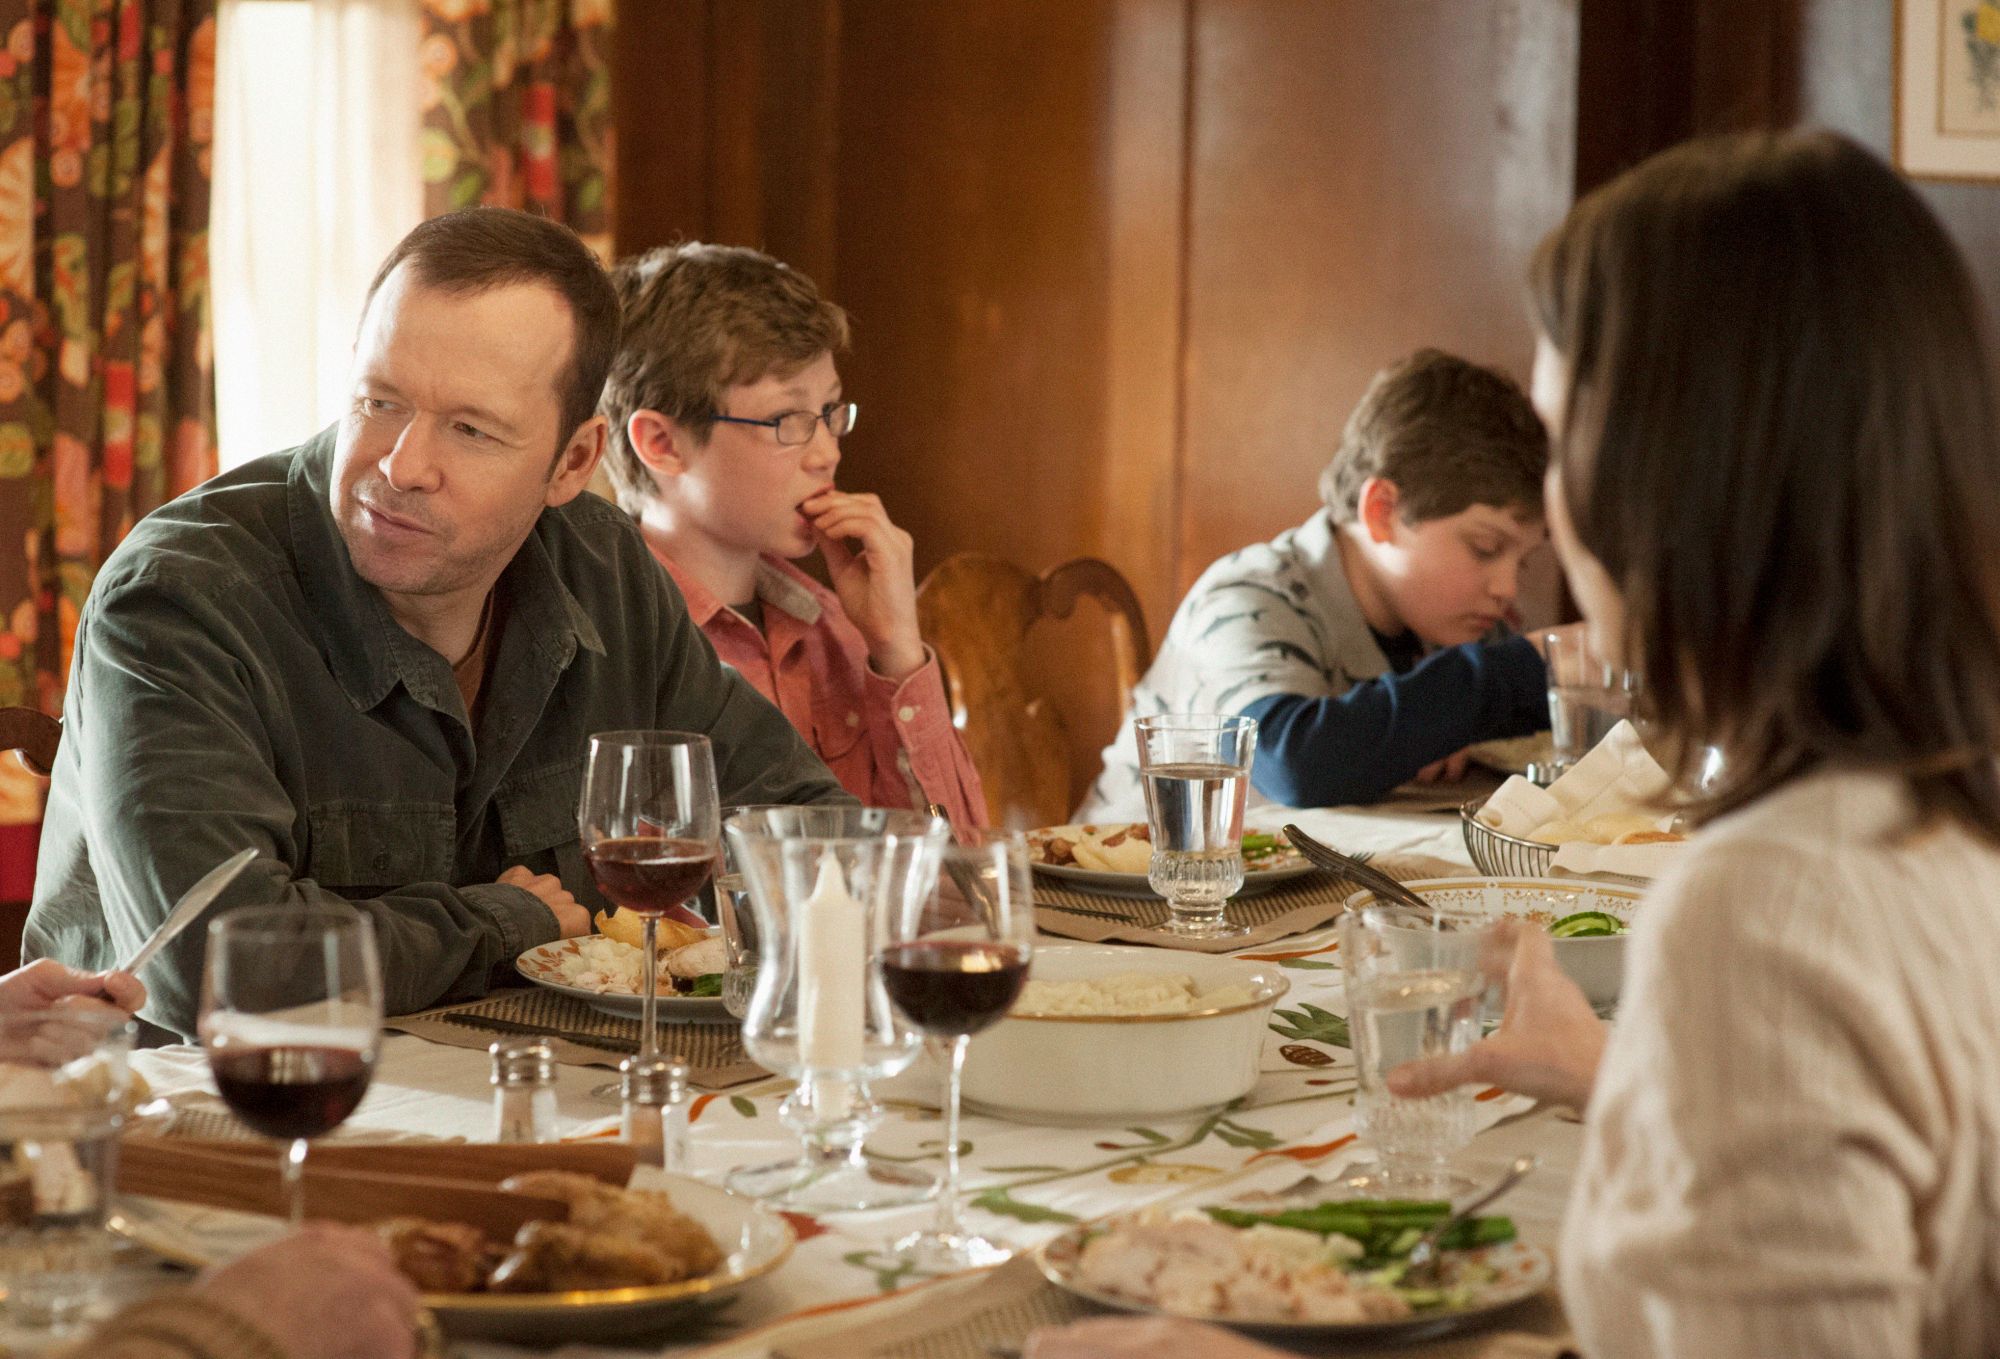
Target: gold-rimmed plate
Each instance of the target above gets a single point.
(754, 1240)
(1518, 1271)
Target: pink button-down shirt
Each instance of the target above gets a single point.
(890, 743)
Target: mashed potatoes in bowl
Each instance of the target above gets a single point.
(1104, 1032)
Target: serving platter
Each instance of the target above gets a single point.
(754, 1240)
(542, 965)
(1520, 1271)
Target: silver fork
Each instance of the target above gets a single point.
(1422, 1269)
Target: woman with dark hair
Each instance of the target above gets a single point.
(1777, 443)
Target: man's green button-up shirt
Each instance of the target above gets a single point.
(236, 683)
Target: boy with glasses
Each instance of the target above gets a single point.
(1369, 642)
(726, 414)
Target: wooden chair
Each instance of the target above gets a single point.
(1035, 699)
(32, 734)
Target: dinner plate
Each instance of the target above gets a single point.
(1135, 884)
(1520, 1272)
(754, 1240)
(539, 966)
(1110, 884)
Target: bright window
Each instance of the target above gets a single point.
(316, 177)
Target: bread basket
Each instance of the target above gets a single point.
(1500, 855)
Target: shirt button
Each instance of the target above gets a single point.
(905, 713)
(381, 859)
(854, 719)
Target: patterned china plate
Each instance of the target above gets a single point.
(1521, 1271)
(541, 965)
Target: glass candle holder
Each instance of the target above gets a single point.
(823, 884)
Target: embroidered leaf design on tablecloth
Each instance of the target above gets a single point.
(1298, 1054)
(1313, 1024)
(1006, 1205)
(742, 1105)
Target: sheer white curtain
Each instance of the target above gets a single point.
(317, 174)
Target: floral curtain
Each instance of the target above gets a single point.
(106, 397)
(517, 109)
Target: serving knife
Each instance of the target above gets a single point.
(192, 903)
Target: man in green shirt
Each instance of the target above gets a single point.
(378, 657)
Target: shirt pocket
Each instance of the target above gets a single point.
(363, 849)
(538, 824)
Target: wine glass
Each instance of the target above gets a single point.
(649, 819)
(954, 961)
(291, 1018)
(1196, 769)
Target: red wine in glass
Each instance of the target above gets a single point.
(652, 875)
(291, 1092)
(953, 987)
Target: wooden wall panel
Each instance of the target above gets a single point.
(1365, 179)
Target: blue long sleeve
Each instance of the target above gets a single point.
(1358, 746)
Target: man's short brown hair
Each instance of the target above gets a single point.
(1449, 433)
(479, 249)
(700, 319)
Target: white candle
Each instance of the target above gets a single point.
(833, 969)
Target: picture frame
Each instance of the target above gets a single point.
(1947, 96)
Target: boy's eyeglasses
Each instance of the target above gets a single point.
(796, 427)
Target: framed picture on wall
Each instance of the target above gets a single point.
(1948, 88)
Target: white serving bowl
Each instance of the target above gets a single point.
(1075, 1069)
(1597, 965)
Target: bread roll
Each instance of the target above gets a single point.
(627, 928)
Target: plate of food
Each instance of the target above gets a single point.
(627, 1261)
(1329, 1269)
(1113, 858)
(602, 969)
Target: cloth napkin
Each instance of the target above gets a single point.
(1618, 776)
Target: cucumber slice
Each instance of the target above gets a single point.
(1587, 925)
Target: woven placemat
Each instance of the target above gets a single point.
(1013, 1300)
(1303, 904)
(582, 1036)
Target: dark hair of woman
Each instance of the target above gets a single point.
(1782, 440)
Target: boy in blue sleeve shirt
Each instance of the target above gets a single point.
(1370, 642)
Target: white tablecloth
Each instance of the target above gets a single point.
(1034, 1179)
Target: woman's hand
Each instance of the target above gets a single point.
(46, 983)
(1549, 1041)
(324, 1292)
(1142, 1338)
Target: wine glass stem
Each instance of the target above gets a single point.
(649, 1031)
(295, 1183)
(948, 1223)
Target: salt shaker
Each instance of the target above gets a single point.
(524, 1090)
(656, 1109)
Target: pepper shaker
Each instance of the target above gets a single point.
(656, 1109)
(524, 1090)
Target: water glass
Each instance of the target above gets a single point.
(1588, 696)
(63, 1093)
(1196, 769)
(1415, 989)
(739, 922)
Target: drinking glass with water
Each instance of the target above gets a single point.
(65, 1091)
(1196, 768)
(1588, 696)
(1415, 989)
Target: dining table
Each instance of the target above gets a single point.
(845, 1291)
